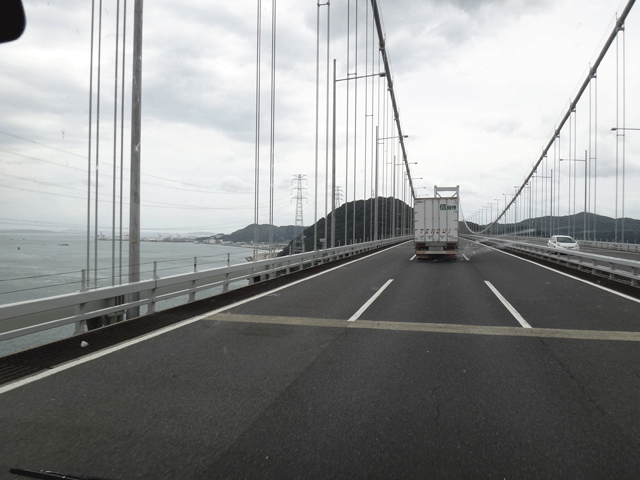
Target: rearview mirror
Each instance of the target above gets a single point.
(12, 20)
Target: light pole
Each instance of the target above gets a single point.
(333, 154)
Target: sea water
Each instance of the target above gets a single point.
(38, 265)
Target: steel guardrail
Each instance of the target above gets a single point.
(614, 268)
(23, 318)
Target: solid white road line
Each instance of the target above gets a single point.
(504, 301)
(369, 302)
(559, 272)
(25, 381)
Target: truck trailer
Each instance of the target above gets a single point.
(436, 224)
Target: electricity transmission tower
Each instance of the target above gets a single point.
(339, 196)
(298, 232)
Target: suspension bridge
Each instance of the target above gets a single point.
(347, 357)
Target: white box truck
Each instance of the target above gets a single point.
(436, 224)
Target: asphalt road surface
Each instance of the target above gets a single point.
(384, 367)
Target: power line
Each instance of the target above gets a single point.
(109, 165)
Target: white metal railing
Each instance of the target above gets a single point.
(613, 267)
(23, 318)
(619, 247)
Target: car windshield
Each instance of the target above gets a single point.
(566, 240)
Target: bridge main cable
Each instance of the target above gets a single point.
(572, 105)
(387, 69)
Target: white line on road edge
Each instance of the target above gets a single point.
(369, 302)
(504, 301)
(559, 272)
(412, 258)
(65, 366)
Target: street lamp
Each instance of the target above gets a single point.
(333, 155)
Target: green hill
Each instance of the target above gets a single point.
(598, 227)
(364, 223)
(246, 234)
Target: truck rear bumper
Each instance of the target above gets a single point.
(450, 250)
(431, 253)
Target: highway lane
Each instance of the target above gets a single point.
(420, 292)
(435, 378)
(549, 299)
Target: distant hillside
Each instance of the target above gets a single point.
(364, 230)
(598, 227)
(246, 234)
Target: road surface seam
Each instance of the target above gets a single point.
(431, 327)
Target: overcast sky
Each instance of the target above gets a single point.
(480, 85)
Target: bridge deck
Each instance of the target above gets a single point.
(435, 377)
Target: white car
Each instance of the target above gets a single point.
(563, 242)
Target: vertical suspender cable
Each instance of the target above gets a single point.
(617, 125)
(624, 122)
(315, 203)
(595, 156)
(589, 156)
(377, 148)
(575, 169)
(346, 147)
(115, 150)
(373, 137)
(273, 118)
(559, 157)
(256, 167)
(124, 44)
(569, 162)
(355, 129)
(385, 150)
(326, 148)
(333, 161)
(553, 187)
(95, 253)
(89, 152)
(366, 107)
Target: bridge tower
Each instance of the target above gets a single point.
(298, 232)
